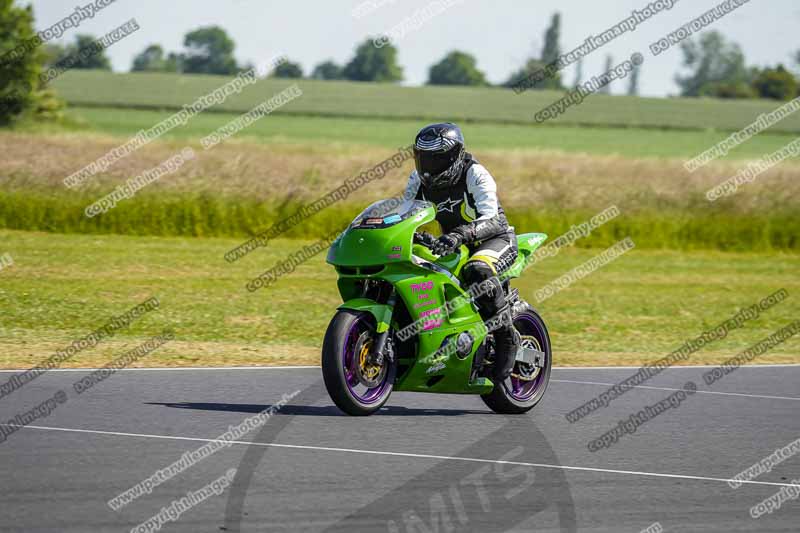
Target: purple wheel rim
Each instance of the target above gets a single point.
(360, 393)
(524, 390)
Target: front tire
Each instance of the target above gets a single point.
(525, 388)
(356, 387)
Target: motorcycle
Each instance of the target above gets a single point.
(408, 324)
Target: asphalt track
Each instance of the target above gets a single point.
(426, 463)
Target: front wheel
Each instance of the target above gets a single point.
(356, 387)
(520, 392)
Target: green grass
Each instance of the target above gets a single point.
(371, 100)
(212, 216)
(636, 309)
(626, 142)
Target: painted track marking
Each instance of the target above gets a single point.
(671, 389)
(413, 455)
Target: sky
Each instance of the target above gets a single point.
(501, 34)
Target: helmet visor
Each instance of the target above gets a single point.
(434, 163)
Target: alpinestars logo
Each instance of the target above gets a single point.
(447, 206)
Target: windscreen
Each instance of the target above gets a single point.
(387, 213)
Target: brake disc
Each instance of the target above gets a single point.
(369, 375)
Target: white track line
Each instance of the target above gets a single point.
(412, 455)
(301, 367)
(671, 389)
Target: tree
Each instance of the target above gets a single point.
(20, 65)
(797, 64)
(525, 76)
(209, 50)
(327, 71)
(86, 54)
(606, 89)
(174, 62)
(716, 67)
(374, 64)
(633, 84)
(150, 60)
(531, 76)
(457, 68)
(21, 62)
(578, 73)
(730, 90)
(552, 49)
(53, 53)
(287, 69)
(777, 83)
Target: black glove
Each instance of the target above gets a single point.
(445, 244)
(424, 238)
(480, 230)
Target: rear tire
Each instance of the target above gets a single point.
(349, 334)
(516, 396)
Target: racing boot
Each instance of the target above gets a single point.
(506, 345)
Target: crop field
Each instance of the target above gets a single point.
(343, 132)
(241, 188)
(373, 100)
(60, 289)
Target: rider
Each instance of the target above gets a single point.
(468, 212)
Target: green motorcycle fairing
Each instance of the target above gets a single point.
(378, 245)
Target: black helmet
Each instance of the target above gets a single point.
(439, 154)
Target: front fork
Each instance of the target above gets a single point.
(384, 330)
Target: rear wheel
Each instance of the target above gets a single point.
(520, 392)
(356, 386)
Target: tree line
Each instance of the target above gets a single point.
(712, 66)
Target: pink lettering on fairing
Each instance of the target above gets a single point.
(419, 287)
(431, 324)
(427, 299)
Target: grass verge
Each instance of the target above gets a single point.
(635, 310)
